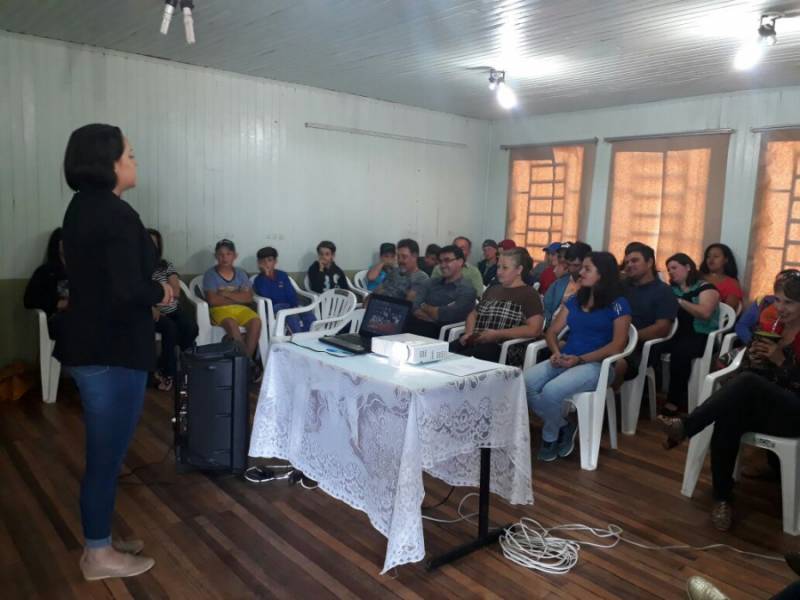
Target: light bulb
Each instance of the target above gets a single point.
(506, 96)
(492, 85)
(748, 56)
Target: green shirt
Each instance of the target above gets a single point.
(468, 272)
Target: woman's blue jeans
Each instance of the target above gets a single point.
(112, 399)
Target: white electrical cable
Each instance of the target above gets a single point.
(529, 544)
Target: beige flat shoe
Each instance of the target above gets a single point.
(130, 567)
(702, 589)
(128, 546)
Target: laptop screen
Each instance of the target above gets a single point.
(384, 316)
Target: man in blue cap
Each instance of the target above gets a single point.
(548, 275)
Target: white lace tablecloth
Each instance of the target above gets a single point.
(366, 430)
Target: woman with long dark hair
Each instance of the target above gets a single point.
(48, 288)
(719, 269)
(698, 315)
(107, 337)
(177, 329)
(598, 316)
(764, 397)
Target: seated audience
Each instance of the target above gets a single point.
(274, 284)
(568, 273)
(506, 311)
(431, 259)
(764, 397)
(537, 271)
(762, 313)
(177, 328)
(548, 275)
(48, 288)
(445, 299)
(470, 273)
(653, 305)
(488, 266)
(229, 294)
(598, 316)
(324, 274)
(719, 268)
(404, 280)
(388, 260)
(698, 315)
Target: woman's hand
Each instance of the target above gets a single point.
(487, 336)
(555, 359)
(169, 295)
(156, 313)
(568, 361)
(464, 339)
(766, 350)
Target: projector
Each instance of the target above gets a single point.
(409, 348)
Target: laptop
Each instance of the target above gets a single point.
(384, 316)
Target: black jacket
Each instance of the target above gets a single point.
(332, 277)
(110, 260)
(42, 289)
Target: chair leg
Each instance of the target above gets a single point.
(650, 376)
(789, 456)
(665, 373)
(611, 409)
(695, 457)
(631, 398)
(54, 375)
(590, 427)
(44, 369)
(694, 384)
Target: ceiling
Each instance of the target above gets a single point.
(560, 55)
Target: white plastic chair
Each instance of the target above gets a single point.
(456, 332)
(274, 327)
(590, 405)
(356, 317)
(702, 365)
(49, 366)
(335, 308)
(699, 444)
(211, 334)
(533, 349)
(633, 390)
(447, 333)
(359, 284)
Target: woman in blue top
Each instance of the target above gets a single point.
(598, 317)
(698, 315)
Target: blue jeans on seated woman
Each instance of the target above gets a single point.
(295, 323)
(112, 399)
(549, 386)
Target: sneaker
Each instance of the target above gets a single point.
(566, 439)
(722, 515)
(548, 452)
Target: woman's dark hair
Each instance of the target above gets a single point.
(91, 153)
(521, 259)
(608, 288)
(52, 257)
(730, 269)
(159, 241)
(685, 260)
(326, 244)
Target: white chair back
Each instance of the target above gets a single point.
(336, 303)
(356, 317)
(360, 281)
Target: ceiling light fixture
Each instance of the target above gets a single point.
(505, 95)
(751, 53)
(188, 20)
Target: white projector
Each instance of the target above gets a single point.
(409, 348)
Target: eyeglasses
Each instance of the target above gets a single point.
(447, 261)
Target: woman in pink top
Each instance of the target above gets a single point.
(719, 268)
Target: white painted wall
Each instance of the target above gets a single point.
(224, 155)
(740, 111)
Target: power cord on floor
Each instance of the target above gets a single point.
(438, 504)
(531, 545)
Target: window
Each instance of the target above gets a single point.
(775, 237)
(547, 189)
(667, 193)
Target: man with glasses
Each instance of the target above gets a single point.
(470, 273)
(568, 269)
(445, 299)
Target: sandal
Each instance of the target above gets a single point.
(675, 430)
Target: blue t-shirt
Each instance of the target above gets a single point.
(279, 290)
(214, 282)
(589, 331)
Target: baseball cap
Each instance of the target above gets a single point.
(507, 244)
(387, 248)
(552, 248)
(491, 243)
(225, 243)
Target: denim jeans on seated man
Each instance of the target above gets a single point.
(295, 323)
(548, 387)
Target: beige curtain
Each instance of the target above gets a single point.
(667, 193)
(775, 237)
(548, 186)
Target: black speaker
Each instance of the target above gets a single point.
(212, 409)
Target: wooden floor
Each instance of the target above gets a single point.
(220, 537)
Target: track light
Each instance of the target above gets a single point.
(505, 95)
(752, 52)
(188, 20)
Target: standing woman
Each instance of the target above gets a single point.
(108, 336)
(719, 268)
